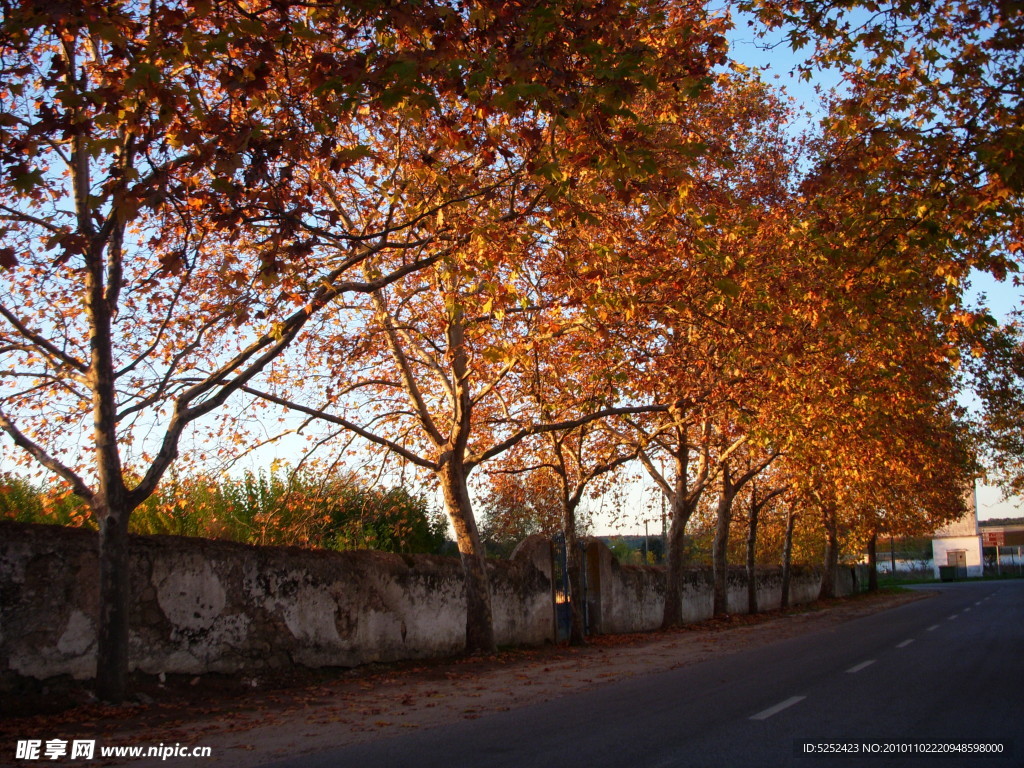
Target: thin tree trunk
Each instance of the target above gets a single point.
(787, 558)
(570, 502)
(731, 486)
(479, 621)
(574, 569)
(828, 579)
(720, 555)
(752, 554)
(873, 562)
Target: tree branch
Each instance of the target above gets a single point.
(51, 463)
(341, 422)
(536, 429)
(43, 344)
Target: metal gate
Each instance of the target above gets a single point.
(562, 591)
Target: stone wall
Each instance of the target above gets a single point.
(202, 606)
(211, 606)
(624, 598)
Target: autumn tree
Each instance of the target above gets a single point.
(867, 294)
(924, 134)
(997, 374)
(709, 318)
(435, 377)
(570, 381)
(515, 504)
(917, 183)
(109, 302)
(763, 492)
(734, 476)
(909, 188)
(891, 441)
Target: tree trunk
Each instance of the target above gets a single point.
(574, 567)
(720, 555)
(787, 558)
(111, 509)
(873, 562)
(479, 621)
(112, 626)
(681, 508)
(752, 555)
(110, 504)
(828, 579)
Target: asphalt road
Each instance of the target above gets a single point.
(944, 673)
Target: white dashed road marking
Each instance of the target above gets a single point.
(765, 714)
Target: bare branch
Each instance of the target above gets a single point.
(43, 344)
(43, 457)
(412, 390)
(536, 429)
(655, 473)
(341, 422)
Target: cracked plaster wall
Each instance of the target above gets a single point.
(631, 598)
(208, 606)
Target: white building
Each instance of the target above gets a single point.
(959, 544)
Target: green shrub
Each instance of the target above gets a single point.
(25, 502)
(268, 508)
